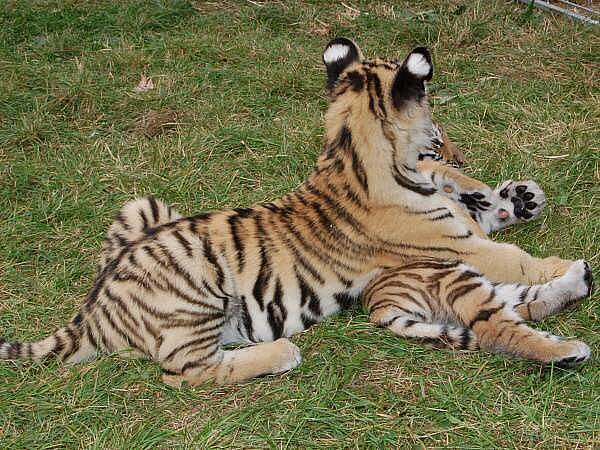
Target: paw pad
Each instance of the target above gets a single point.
(474, 201)
(526, 197)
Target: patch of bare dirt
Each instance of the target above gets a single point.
(155, 123)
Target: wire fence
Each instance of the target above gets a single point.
(584, 11)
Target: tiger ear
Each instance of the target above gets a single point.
(409, 84)
(338, 55)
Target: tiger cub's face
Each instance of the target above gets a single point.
(380, 100)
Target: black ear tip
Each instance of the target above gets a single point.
(423, 51)
(340, 49)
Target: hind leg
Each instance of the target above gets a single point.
(400, 300)
(491, 312)
(474, 311)
(231, 366)
(539, 301)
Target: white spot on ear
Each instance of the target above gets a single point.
(335, 53)
(418, 65)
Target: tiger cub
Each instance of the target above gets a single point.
(177, 289)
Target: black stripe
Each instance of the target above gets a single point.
(388, 303)
(154, 208)
(523, 294)
(264, 272)
(447, 215)
(140, 281)
(144, 219)
(119, 301)
(343, 139)
(177, 268)
(104, 342)
(122, 242)
(465, 339)
(247, 319)
(211, 257)
(344, 300)
(120, 219)
(148, 309)
(15, 348)
(77, 319)
(74, 340)
(359, 171)
(199, 362)
(276, 312)
(202, 320)
(92, 296)
(332, 263)
(211, 339)
(467, 235)
(243, 212)
(184, 242)
(353, 196)
(237, 241)
(387, 323)
(464, 276)
(307, 294)
(334, 240)
(428, 211)
(374, 81)
(407, 183)
(90, 337)
(344, 142)
(212, 292)
(491, 297)
(356, 80)
(461, 292)
(168, 286)
(485, 315)
(125, 336)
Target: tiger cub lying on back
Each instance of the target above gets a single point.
(366, 221)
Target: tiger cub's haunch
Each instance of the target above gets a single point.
(176, 290)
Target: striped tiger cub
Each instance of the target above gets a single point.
(366, 222)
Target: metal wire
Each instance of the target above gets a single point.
(550, 7)
(577, 6)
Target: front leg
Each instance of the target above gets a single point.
(440, 231)
(510, 203)
(507, 263)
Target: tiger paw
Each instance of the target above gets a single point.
(527, 201)
(573, 353)
(582, 281)
(575, 284)
(288, 355)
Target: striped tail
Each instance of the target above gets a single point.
(72, 343)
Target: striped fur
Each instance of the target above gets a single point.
(177, 289)
(451, 304)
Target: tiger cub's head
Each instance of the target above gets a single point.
(382, 103)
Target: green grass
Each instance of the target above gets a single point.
(518, 91)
